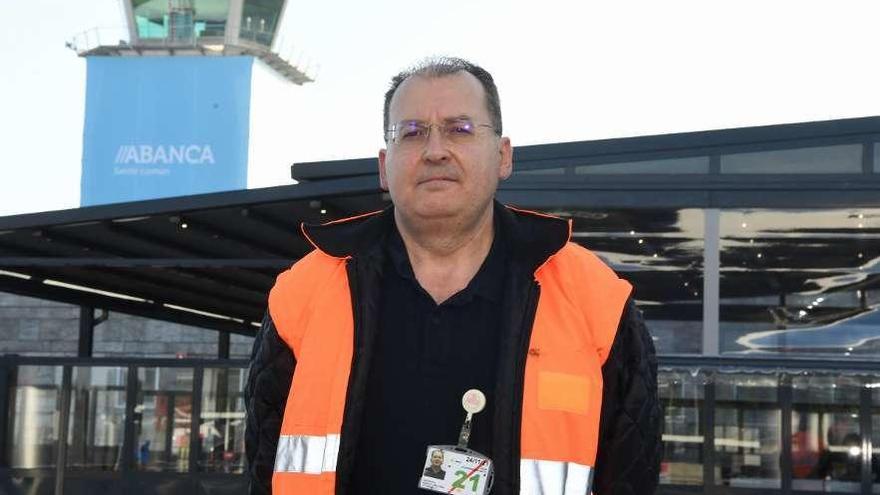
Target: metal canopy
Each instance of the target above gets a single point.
(209, 260)
(206, 260)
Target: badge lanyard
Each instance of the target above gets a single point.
(456, 469)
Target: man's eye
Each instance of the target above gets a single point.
(412, 132)
(460, 128)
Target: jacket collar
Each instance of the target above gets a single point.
(534, 237)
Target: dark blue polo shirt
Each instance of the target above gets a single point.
(426, 356)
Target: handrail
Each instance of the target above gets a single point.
(19, 360)
(765, 363)
(665, 361)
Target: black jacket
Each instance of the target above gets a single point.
(629, 454)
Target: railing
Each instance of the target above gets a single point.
(88, 422)
(770, 425)
(90, 39)
(732, 425)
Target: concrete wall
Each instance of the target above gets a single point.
(31, 326)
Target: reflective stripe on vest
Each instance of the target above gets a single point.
(309, 454)
(539, 477)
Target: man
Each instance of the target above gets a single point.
(435, 470)
(371, 339)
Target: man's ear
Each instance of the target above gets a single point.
(383, 181)
(506, 167)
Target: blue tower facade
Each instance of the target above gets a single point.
(168, 109)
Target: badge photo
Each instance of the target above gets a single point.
(451, 469)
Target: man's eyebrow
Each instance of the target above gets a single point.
(454, 118)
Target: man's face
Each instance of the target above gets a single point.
(441, 178)
(437, 458)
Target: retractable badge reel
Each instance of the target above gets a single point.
(457, 469)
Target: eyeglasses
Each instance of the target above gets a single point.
(416, 133)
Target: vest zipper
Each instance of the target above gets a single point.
(343, 468)
(528, 321)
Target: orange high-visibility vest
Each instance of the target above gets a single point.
(580, 305)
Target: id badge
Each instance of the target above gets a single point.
(456, 470)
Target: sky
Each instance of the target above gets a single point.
(566, 71)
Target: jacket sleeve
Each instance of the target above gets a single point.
(271, 371)
(630, 447)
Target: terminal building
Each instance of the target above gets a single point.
(126, 324)
(753, 252)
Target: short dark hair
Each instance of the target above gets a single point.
(447, 66)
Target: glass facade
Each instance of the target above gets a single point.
(840, 159)
(826, 437)
(180, 21)
(877, 157)
(36, 406)
(747, 431)
(875, 434)
(123, 422)
(800, 282)
(682, 396)
(163, 416)
(97, 418)
(694, 165)
(222, 422)
(661, 253)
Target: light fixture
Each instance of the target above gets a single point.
(744, 225)
(323, 211)
(760, 255)
(641, 241)
(15, 274)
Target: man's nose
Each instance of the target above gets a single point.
(436, 149)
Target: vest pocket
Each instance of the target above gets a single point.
(565, 392)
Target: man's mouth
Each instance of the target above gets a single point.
(437, 179)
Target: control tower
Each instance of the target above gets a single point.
(168, 97)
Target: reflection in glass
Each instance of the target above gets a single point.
(163, 413)
(800, 281)
(660, 252)
(874, 383)
(825, 436)
(222, 423)
(690, 165)
(681, 394)
(747, 431)
(35, 412)
(97, 418)
(839, 159)
(259, 19)
(876, 158)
